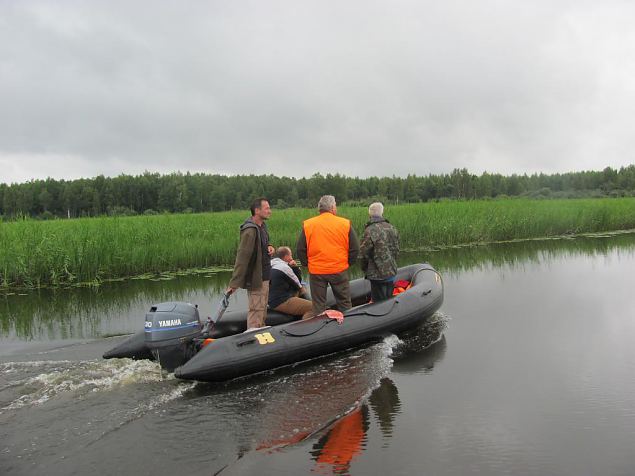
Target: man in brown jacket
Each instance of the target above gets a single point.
(252, 268)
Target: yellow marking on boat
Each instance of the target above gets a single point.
(265, 338)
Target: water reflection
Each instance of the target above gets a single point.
(334, 453)
(347, 438)
(515, 255)
(421, 361)
(61, 417)
(385, 403)
(334, 406)
(110, 309)
(119, 307)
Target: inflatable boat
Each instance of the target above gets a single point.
(218, 351)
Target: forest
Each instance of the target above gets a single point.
(153, 193)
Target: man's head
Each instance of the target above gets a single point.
(327, 204)
(284, 253)
(376, 209)
(260, 208)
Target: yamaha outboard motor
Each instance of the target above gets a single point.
(170, 330)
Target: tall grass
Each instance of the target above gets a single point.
(62, 252)
(454, 223)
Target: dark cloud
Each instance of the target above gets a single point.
(294, 88)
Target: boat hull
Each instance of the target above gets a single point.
(264, 349)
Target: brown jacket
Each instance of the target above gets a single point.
(248, 266)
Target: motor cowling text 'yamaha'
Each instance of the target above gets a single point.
(170, 330)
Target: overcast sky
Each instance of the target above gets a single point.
(296, 87)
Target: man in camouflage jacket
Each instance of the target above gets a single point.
(378, 250)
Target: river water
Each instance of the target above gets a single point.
(528, 369)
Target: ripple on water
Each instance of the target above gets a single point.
(289, 405)
(81, 409)
(34, 383)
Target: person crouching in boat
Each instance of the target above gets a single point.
(286, 293)
(378, 252)
(328, 245)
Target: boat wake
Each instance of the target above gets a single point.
(26, 384)
(84, 408)
(79, 408)
(310, 397)
(305, 403)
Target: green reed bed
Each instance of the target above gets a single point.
(63, 252)
(92, 249)
(454, 223)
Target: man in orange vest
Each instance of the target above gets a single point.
(328, 245)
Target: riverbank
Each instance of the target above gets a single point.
(91, 250)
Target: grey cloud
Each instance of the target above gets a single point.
(360, 88)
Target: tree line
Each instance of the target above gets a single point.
(152, 193)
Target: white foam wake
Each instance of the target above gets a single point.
(55, 378)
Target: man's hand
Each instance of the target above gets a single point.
(271, 250)
(303, 293)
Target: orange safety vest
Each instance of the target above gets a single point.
(327, 243)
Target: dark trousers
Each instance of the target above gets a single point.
(380, 290)
(339, 286)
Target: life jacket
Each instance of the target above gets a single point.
(401, 286)
(327, 243)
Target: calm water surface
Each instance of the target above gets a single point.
(528, 369)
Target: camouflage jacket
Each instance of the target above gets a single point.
(379, 249)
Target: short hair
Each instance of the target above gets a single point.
(283, 251)
(376, 209)
(257, 203)
(326, 203)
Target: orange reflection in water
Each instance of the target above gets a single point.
(343, 443)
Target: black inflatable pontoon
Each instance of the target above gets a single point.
(175, 337)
